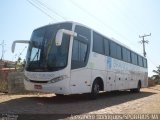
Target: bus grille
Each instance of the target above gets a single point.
(34, 81)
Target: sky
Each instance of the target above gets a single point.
(123, 20)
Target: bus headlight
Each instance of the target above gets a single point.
(59, 78)
(25, 78)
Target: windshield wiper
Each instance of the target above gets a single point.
(36, 55)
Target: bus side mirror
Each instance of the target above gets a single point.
(60, 33)
(18, 41)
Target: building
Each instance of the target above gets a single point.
(7, 64)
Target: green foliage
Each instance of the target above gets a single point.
(20, 64)
(157, 71)
(156, 78)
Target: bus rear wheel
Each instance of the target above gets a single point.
(95, 90)
(137, 90)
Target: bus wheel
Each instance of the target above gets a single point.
(137, 90)
(95, 90)
(59, 95)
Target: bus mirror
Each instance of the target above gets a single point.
(60, 33)
(18, 41)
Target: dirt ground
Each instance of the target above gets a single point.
(123, 102)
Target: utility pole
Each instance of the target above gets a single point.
(143, 42)
(2, 44)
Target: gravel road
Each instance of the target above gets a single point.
(123, 102)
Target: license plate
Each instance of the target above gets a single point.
(38, 87)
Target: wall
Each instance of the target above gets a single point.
(3, 81)
(15, 82)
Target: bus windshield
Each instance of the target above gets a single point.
(43, 54)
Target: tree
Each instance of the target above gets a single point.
(156, 78)
(19, 64)
(157, 71)
(19, 60)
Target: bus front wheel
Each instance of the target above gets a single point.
(95, 90)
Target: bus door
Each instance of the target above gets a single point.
(80, 75)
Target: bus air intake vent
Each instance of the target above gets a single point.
(38, 81)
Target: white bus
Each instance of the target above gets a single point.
(70, 58)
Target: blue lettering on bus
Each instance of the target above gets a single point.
(109, 62)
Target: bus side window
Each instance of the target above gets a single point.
(134, 58)
(145, 62)
(119, 52)
(124, 54)
(128, 56)
(140, 62)
(106, 45)
(98, 43)
(113, 49)
(79, 51)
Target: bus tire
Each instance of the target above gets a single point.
(95, 90)
(137, 90)
(59, 95)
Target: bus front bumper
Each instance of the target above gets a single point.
(61, 87)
